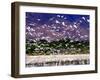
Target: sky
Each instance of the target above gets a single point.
(45, 17)
(53, 26)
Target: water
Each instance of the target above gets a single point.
(59, 63)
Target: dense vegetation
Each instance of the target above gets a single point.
(64, 46)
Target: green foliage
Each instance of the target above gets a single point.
(63, 46)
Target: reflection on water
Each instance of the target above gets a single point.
(59, 63)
